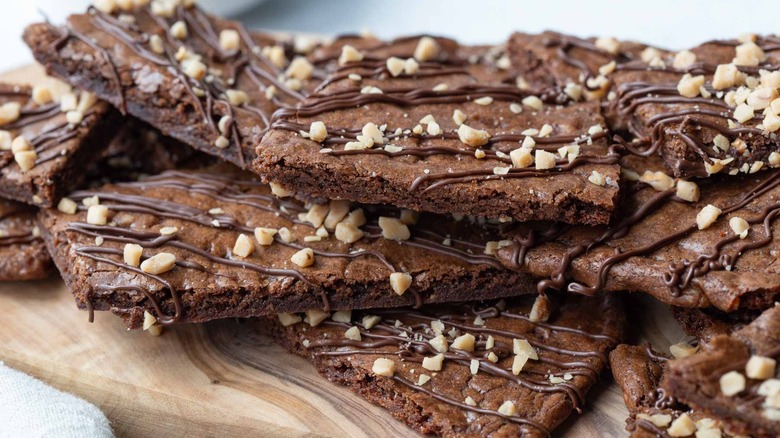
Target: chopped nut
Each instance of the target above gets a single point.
(732, 383)
(149, 320)
(484, 101)
(433, 363)
(356, 217)
(348, 233)
(760, 367)
(688, 191)
(533, 102)
(395, 66)
(464, 342)
(264, 236)
(657, 180)
(97, 215)
(383, 367)
(303, 258)
(761, 98)
(660, 420)
(470, 401)
(300, 68)
(318, 132)
(349, 54)
(25, 159)
(427, 49)
(423, 379)
(236, 97)
(726, 76)
(342, 316)
(222, 142)
(156, 44)
(518, 363)
(371, 320)
(74, 117)
(439, 343)
(749, 54)
(67, 206)
(194, 68)
(743, 113)
(132, 254)
(540, 311)
(682, 349)
(492, 357)
(650, 55)
(224, 124)
(739, 226)
(707, 216)
(597, 178)
(684, 59)
(689, 86)
(608, 44)
(229, 40)
(68, 102)
(167, 231)
(544, 160)
(179, 30)
(317, 214)
(682, 426)
(474, 366)
(458, 117)
(521, 157)
(353, 333)
(158, 263)
(288, 319)
(771, 123)
(244, 246)
(508, 408)
(315, 316)
(472, 137)
(411, 67)
(394, 229)
(608, 68)
(523, 347)
(400, 282)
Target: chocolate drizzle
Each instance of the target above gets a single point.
(227, 190)
(206, 96)
(408, 339)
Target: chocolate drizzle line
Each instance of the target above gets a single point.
(46, 143)
(226, 190)
(411, 340)
(247, 60)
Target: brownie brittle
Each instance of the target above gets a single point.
(195, 245)
(23, 255)
(444, 137)
(49, 135)
(474, 369)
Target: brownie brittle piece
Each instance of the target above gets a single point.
(465, 370)
(23, 255)
(195, 245)
(444, 137)
(49, 136)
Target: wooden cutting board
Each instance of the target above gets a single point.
(222, 378)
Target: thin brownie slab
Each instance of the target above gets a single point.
(444, 138)
(653, 412)
(23, 255)
(552, 59)
(239, 251)
(464, 370)
(735, 377)
(202, 80)
(708, 110)
(682, 253)
(49, 135)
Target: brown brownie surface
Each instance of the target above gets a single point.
(571, 347)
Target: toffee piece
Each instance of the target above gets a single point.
(464, 370)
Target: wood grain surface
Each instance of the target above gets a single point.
(222, 378)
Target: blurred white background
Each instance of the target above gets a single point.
(668, 23)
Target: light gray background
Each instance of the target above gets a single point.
(669, 23)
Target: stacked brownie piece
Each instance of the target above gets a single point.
(447, 230)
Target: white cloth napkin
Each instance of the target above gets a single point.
(30, 408)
